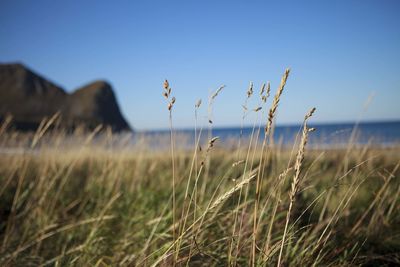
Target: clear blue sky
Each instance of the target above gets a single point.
(339, 52)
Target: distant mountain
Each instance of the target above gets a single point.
(29, 98)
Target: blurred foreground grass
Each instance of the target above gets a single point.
(91, 206)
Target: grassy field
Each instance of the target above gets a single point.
(90, 200)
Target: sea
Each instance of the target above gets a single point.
(381, 133)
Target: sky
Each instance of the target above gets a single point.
(341, 53)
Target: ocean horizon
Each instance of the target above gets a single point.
(366, 132)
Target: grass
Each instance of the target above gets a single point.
(94, 200)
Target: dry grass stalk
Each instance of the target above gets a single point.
(171, 103)
(267, 132)
(43, 127)
(210, 207)
(276, 100)
(208, 158)
(280, 181)
(213, 96)
(5, 124)
(238, 186)
(296, 179)
(262, 90)
(267, 91)
(249, 93)
(250, 90)
(263, 100)
(198, 103)
(212, 141)
(238, 163)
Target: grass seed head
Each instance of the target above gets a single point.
(276, 100)
(218, 91)
(310, 113)
(238, 163)
(212, 141)
(166, 84)
(267, 93)
(268, 90)
(262, 89)
(198, 103)
(250, 90)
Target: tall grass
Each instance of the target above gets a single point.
(98, 199)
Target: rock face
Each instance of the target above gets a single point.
(29, 98)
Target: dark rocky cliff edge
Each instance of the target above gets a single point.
(29, 98)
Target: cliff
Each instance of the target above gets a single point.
(29, 98)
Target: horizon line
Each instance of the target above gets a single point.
(294, 124)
